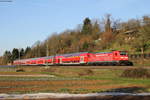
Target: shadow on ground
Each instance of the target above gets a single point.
(114, 94)
(114, 97)
(129, 90)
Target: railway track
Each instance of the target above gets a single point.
(101, 67)
(86, 67)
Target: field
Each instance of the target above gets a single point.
(88, 79)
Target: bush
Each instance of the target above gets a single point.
(20, 70)
(136, 73)
(86, 72)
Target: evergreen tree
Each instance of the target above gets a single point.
(22, 53)
(15, 54)
(7, 57)
(28, 49)
(87, 27)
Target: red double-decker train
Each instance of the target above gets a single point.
(81, 58)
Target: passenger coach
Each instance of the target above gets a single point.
(81, 58)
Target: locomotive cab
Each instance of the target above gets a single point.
(122, 58)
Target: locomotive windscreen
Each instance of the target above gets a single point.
(123, 53)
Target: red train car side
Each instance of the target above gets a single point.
(81, 58)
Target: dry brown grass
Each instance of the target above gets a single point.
(82, 86)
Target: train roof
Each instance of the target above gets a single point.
(108, 52)
(102, 52)
(47, 57)
(71, 54)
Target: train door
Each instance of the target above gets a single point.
(60, 60)
(82, 59)
(52, 60)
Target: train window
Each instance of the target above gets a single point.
(123, 53)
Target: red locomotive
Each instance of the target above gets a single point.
(81, 58)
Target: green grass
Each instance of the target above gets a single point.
(74, 73)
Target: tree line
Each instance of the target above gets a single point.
(8, 56)
(94, 36)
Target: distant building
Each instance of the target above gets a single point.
(130, 35)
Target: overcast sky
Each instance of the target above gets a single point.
(23, 22)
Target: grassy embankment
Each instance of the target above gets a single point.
(141, 62)
(69, 80)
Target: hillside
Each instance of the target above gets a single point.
(93, 35)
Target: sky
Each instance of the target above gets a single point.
(23, 22)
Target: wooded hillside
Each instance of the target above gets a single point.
(93, 35)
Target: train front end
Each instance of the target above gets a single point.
(121, 57)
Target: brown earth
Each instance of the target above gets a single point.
(12, 86)
(94, 98)
(83, 86)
